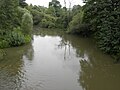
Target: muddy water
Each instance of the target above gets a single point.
(55, 61)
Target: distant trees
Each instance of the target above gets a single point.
(52, 17)
(56, 7)
(97, 18)
(22, 3)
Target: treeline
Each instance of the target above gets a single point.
(97, 18)
(15, 23)
(52, 17)
(103, 19)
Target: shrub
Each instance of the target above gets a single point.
(15, 38)
(8, 14)
(4, 44)
(21, 12)
(51, 25)
(27, 24)
(37, 17)
(27, 38)
(44, 23)
(76, 26)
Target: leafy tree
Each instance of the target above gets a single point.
(11, 33)
(27, 23)
(76, 26)
(76, 9)
(8, 14)
(57, 7)
(22, 3)
(104, 19)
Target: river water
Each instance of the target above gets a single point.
(56, 61)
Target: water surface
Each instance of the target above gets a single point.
(56, 61)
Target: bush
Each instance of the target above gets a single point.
(51, 25)
(27, 24)
(27, 38)
(47, 24)
(76, 26)
(82, 29)
(21, 12)
(37, 17)
(4, 44)
(15, 38)
(44, 23)
(8, 14)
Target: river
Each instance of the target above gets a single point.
(57, 61)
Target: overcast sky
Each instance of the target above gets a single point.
(45, 2)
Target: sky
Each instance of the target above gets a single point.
(46, 2)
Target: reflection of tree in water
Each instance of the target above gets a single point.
(102, 76)
(2, 54)
(47, 32)
(98, 72)
(11, 72)
(71, 42)
(66, 45)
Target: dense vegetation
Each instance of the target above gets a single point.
(103, 17)
(55, 16)
(97, 18)
(13, 28)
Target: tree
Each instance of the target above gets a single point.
(8, 14)
(27, 23)
(22, 3)
(104, 19)
(57, 7)
(76, 9)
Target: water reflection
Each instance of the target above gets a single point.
(56, 61)
(11, 72)
(97, 70)
(99, 76)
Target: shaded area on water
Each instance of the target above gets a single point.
(56, 61)
(11, 71)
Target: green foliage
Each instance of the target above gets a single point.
(27, 38)
(8, 14)
(104, 19)
(48, 21)
(37, 17)
(52, 17)
(56, 6)
(15, 38)
(37, 13)
(4, 44)
(10, 18)
(22, 3)
(27, 23)
(76, 9)
(44, 23)
(21, 11)
(76, 26)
